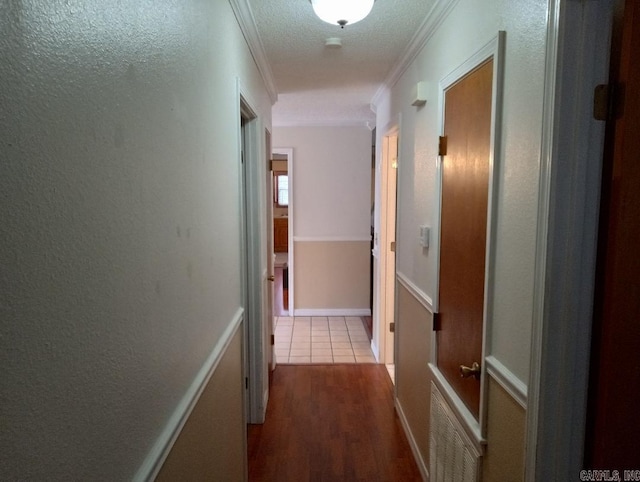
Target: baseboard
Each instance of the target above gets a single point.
(375, 350)
(265, 398)
(332, 312)
(331, 239)
(161, 449)
(412, 441)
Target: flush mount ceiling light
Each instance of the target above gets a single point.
(342, 12)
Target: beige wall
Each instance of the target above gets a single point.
(209, 447)
(332, 275)
(413, 378)
(504, 456)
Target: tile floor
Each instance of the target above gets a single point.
(322, 339)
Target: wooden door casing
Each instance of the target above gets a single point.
(464, 203)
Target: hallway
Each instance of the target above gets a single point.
(330, 423)
(135, 325)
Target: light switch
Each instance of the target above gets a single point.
(424, 236)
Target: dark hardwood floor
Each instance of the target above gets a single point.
(330, 423)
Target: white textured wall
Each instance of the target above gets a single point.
(119, 222)
(471, 25)
(331, 183)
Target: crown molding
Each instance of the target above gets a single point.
(432, 21)
(247, 23)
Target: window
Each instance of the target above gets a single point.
(281, 188)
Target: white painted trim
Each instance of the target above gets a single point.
(507, 380)
(246, 345)
(332, 239)
(494, 49)
(332, 312)
(435, 233)
(247, 23)
(466, 419)
(497, 46)
(288, 151)
(491, 49)
(422, 466)
(416, 292)
(160, 451)
(577, 59)
(432, 21)
(376, 353)
(544, 189)
(386, 341)
(253, 262)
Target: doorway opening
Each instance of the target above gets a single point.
(386, 266)
(282, 227)
(255, 284)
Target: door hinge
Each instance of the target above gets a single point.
(603, 102)
(271, 164)
(273, 339)
(607, 101)
(436, 322)
(442, 145)
(246, 383)
(392, 247)
(392, 327)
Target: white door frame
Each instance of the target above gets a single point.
(388, 206)
(269, 293)
(254, 265)
(288, 151)
(577, 59)
(494, 50)
(384, 287)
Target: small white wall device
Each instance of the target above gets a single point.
(419, 94)
(424, 236)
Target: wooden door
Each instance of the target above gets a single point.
(465, 188)
(271, 326)
(613, 423)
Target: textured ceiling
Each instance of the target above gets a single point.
(318, 85)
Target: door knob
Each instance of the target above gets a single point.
(473, 371)
(271, 278)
